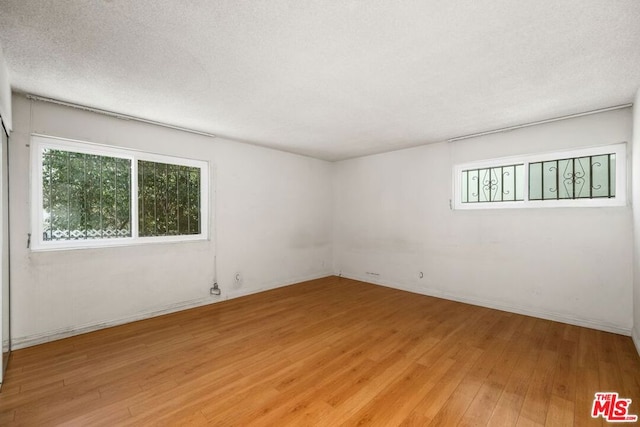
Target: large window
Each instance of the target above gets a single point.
(593, 176)
(86, 195)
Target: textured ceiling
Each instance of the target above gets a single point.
(329, 79)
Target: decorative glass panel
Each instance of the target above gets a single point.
(495, 184)
(535, 185)
(465, 187)
(85, 196)
(601, 176)
(586, 177)
(518, 182)
(612, 175)
(473, 185)
(168, 199)
(549, 180)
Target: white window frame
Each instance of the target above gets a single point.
(620, 199)
(39, 143)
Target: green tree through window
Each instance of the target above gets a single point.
(86, 194)
(168, 199)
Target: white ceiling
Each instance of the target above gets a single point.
(329, 79)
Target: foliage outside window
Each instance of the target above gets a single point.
(168, 199)
(86, 195)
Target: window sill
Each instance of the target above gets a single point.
(115, 243)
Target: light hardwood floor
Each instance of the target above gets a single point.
(327, 352)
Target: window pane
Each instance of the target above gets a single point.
(194, 200)
(612, 175)
(465, 187)
(498, 184)
(575, 178)
(172, 199)
(549, 180)
(474, 185)
(567, 181)
(484, 185)
(601, 176)
(535, 181)
(582, 177)
(85, 196)
(168, 199)
(519, 182)
(495, 183)
(508, 181)
(123, 197)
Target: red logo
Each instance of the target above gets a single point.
(612, 408)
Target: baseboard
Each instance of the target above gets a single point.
(31, 340)
(635, 336)
(237, 293)
(548, 315)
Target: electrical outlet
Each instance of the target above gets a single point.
(215, 289)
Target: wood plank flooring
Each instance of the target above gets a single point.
(327, 352)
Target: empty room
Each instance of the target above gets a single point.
(319, 213)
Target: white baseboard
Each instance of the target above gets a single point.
(548, 315)
(237, 293)
(635, 336)
(31, 340)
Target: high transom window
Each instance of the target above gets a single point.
(87, 195)
(576, 178)
(593, 176)
(493, 184)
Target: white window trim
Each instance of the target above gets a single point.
(620, 199)
(41, 142)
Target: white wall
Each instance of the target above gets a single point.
(5, 116)
(277, 214)
(392, 219)
(272, 223)
(635, 200)
(5, 93)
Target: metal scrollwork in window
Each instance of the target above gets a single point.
(494, 184)
(586, 177)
